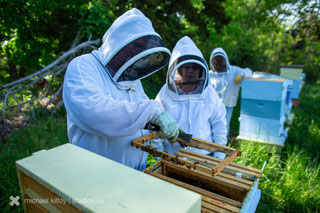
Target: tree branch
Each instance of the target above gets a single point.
(65, 55)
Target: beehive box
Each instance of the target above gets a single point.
(295, 89)
(262, 130)
(293, 72)
(224, 186)
(288, 95)
(265, 106)
(265, 98)
(71, 179)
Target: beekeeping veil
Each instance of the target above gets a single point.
(131, 49)
(186, 52)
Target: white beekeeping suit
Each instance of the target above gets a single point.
(198, 110)
(224, 81)
(106, 105)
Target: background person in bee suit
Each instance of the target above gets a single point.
(188, 96)
(106, 105)
(226, 80)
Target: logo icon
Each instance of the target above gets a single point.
(14, 200)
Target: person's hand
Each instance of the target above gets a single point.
(237, 79)
(168, 127)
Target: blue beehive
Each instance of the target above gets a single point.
(294, 72)
(265, 106)
(287, 104)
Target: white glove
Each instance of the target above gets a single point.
(168, 127)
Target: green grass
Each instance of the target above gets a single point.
(42, 134)
(290, 182)
(291, 178)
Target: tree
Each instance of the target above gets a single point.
(306, 32)
(34, 33)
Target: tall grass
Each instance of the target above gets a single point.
(290, 182)
(42, 133)
(291, 178)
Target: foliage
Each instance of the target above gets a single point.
(290, 180)
(43, 133)
(42, 30)
(305, 32)
(254, 33)
(307, 119)
(95, 19)
(41, 88)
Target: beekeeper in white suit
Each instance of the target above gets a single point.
(226, 79)
(105, 102)
(188, 96)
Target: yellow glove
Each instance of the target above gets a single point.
(237, 79)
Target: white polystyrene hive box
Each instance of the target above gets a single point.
(92, 183)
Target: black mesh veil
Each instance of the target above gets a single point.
(187, 75)
(148, 63)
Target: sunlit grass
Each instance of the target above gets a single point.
(290, 181)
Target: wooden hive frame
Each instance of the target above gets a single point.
(223, 175)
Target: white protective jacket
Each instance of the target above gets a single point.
(223, 82)
(105, 115)
(201, 114)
